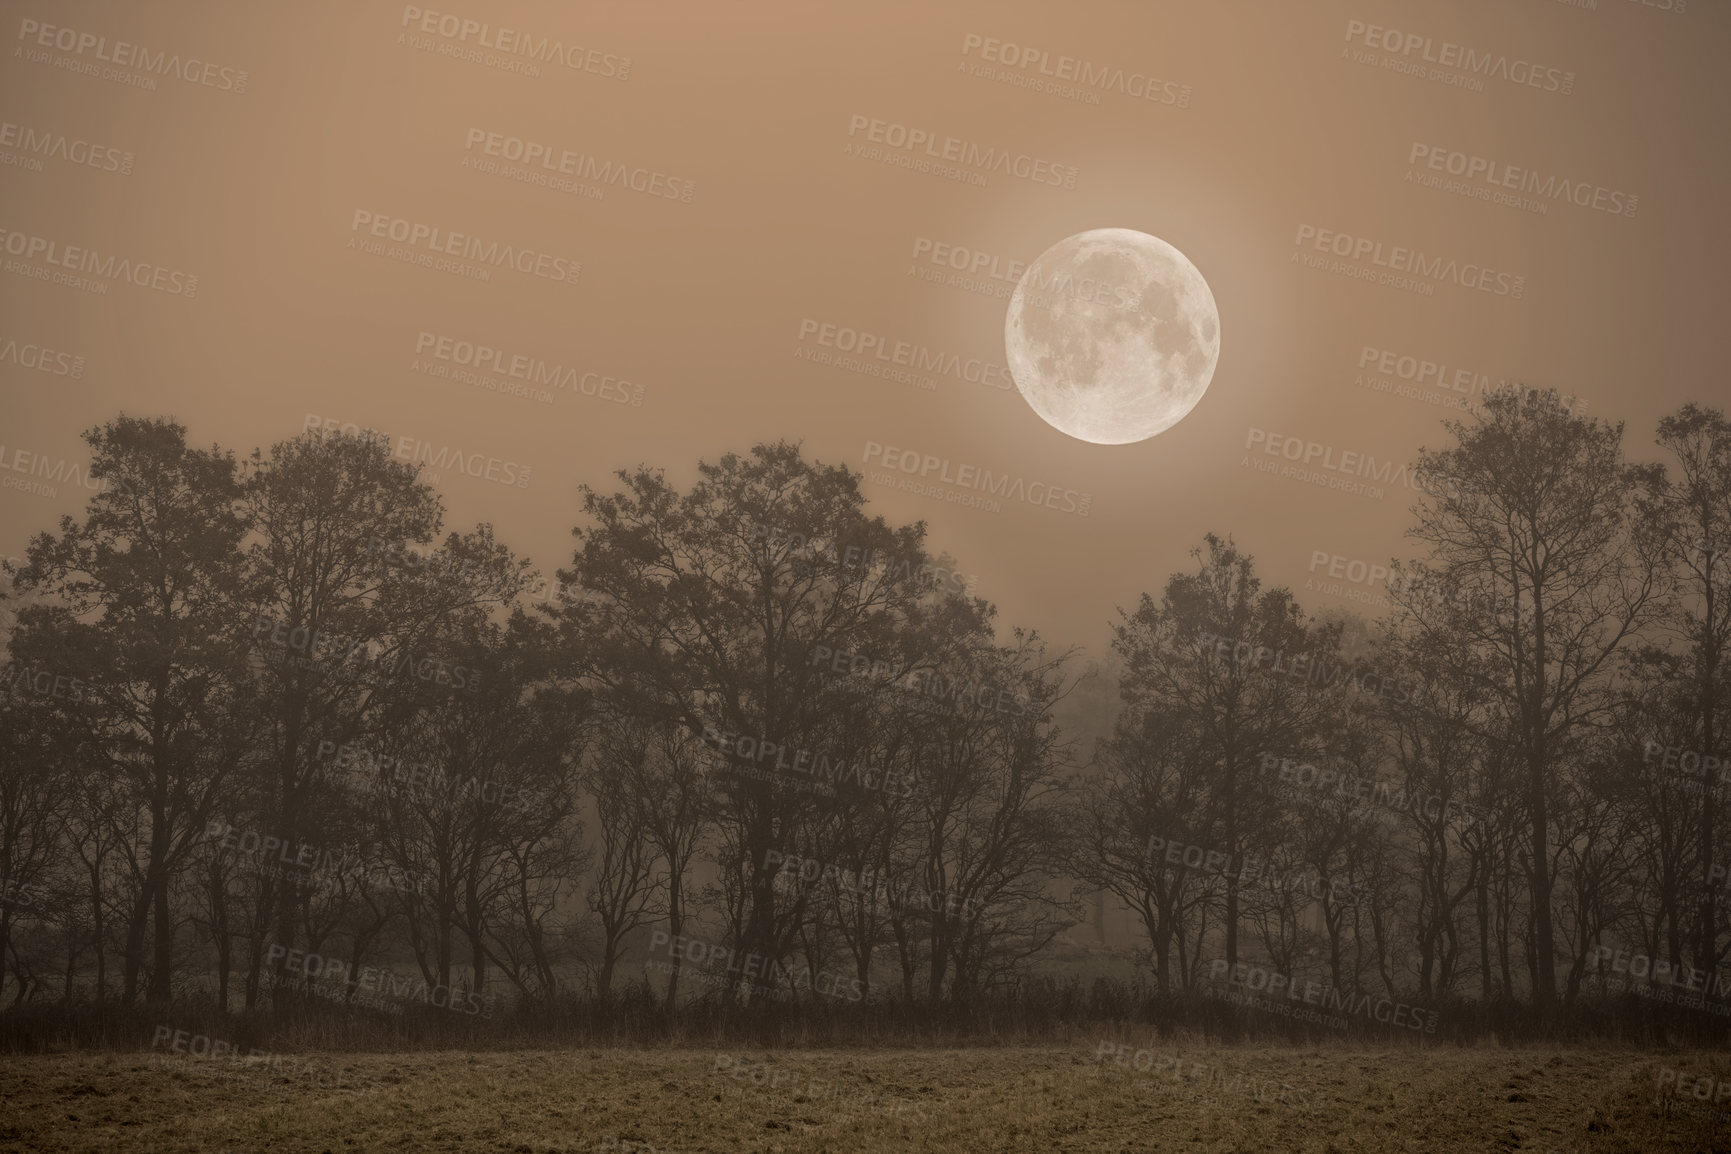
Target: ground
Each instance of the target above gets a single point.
(1086, 1096)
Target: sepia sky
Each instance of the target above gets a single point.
(763, 214)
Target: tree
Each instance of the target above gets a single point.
(671, 794)
(1533, 508)
(145, 589)
(1698, 546)
(718, 610)
(991, 814)
(471, 778)
(621, 891)
(1245, 675)
(342, 619)
(1154, 781)
(1436, 745)
(34, 782)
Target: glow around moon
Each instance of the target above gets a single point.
(1112, 336)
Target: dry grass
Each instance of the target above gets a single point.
(1036, 1099)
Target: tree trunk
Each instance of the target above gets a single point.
(99, 930)
(675, 928)
(136, 923)
(1484, 898)
(224, 941)
(1544, 961)
(162, 962)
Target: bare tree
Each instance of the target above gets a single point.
(674, 811)
(622, 889)
(1535, 509)
(1698, 547)
(1252, 678)
(341, 628)
(33, 786)
(145, 588)
(992, 817)
(707, 609)
(1153, 789)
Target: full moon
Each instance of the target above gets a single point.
(1112, 336)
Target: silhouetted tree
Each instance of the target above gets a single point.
(145, 588)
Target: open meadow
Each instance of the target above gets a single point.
(1089, 1096)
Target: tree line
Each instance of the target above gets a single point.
(273, 735)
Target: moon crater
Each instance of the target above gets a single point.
(1112, 336)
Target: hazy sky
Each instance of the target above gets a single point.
(279, 150)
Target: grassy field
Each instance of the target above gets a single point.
(1090, 1096)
